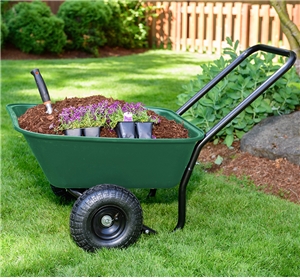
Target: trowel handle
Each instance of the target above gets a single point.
(41, 85)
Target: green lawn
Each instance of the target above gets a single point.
(231, 228)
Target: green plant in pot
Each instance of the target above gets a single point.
(130, 120)
(83, 119)
(94, 118)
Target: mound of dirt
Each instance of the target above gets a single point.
(36, 119)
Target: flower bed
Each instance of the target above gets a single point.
(36, 120)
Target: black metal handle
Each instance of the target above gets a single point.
(41, 85)
(272, 79)
(42, 89)
(223, 122)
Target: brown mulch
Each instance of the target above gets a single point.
(278, 177)
(36, 120)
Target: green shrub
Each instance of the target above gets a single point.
(281, 98)
(128, 27)
(4, 32)
(84, 24)
(33, 29)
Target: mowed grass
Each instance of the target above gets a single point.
(231, 229)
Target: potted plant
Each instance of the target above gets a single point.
(143, 121)
(122, 124)
(94, 118)
(130, 120)
(85, 120)
(70, 121)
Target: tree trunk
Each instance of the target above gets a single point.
(289, 29)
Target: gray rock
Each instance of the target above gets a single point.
(275, 137)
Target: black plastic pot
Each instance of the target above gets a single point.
(73, 132)
(144, 130)
(91, 131)
(125, 129)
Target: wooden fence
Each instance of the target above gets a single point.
(203, 26)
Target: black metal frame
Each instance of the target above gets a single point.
(228, 118)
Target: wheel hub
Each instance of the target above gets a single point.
(109, 222)
(106, 221)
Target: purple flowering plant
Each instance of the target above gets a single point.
(116, 111)
(93, 115)
(103, 114)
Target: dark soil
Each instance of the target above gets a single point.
(278, 177)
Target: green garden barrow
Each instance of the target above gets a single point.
(100, 171)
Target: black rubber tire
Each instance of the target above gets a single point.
(106, 216)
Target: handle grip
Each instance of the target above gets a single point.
(42, 89)
(41, 85)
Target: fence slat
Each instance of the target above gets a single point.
(201, 28)
(275, 30)
(254, 26)
(192, 26)
(210, 28)
(184, 26)
(245, 26)
(290, 12)
(166, 24)
(178, 28)
(173, 14)
(228, 20)
(265, 14)
(219, 27)
(237, 21)
(296, 16)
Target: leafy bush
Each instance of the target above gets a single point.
(281, 98)
(128, 27)
(4, 32)
(33, 29)
(84, 24)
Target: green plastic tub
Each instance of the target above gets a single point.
(83, 162)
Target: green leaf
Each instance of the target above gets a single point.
(229, 41)
(278, 97)
(219, 160)
(234, 95)
(229, 140)
(216, 141)
(239, 133)
(206, 102)
(294, 84)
